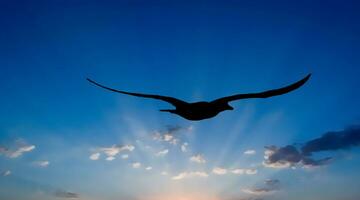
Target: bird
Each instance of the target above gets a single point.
(197, 111)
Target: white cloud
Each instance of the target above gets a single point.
(174, 141)
(250, 152)
(251, 171)
(189, 175)
(198, 158)
(164, 173)
(125, 156)
(23, 148)
(219, 171)
(110, 158)
(111, 152)
(43, 163)
(136, 165)
(168, 137)
(258, 191)
(184, 147)
(94, 156)
(238, 171)
(162, 153)
(6, 173)
(115, 149)
(148, 168)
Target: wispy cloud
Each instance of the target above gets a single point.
(184, 147)
(110, 152)
(21, 148)
(94, 156)
(258, 191)
(148, 168)
(238, 171)
(66, 195)
(250, 152)
(198, 159)
(184, 175)
(125, 156)
(110, 158)
(6, 173)
(136, 165)
(169, 134)
(219, 171)
(162, 153)
(271, 186)
(42, 163)
(251, 171)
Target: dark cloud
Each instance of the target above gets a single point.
(271, 186)
(272, 183)
(290, 155)
(331, 141)
(173, 129)
(66, 195)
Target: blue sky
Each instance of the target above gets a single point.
(62, 138)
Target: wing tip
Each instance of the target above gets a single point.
(307, 77)
(91, 81)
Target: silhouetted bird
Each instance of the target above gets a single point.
(204, 110)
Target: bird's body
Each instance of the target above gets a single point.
(203, 110)
(199, 110)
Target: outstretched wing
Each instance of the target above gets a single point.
(265, 94)
(175, 102)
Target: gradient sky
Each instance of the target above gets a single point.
(62, 138)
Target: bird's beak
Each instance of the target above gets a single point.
(230, 108)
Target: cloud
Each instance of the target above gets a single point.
(271, 186)
(251, 171)
(94, 156)
(184, 175)
(164, 173)
(6, 173)
(184, 147)
(162, 152)
(110, 158)
(290, 156)
(219, 171)
(115, 149)
(110, 152)
(238, 171)
(21, 148)
(42, 163)
(258, 191)
(283, 157)
(148, 168)
(125, 156)
(334, 140)
(198, 159)
(169, 134)
(136, 165)
(273, 183)
(66, 195)
(250, 152)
